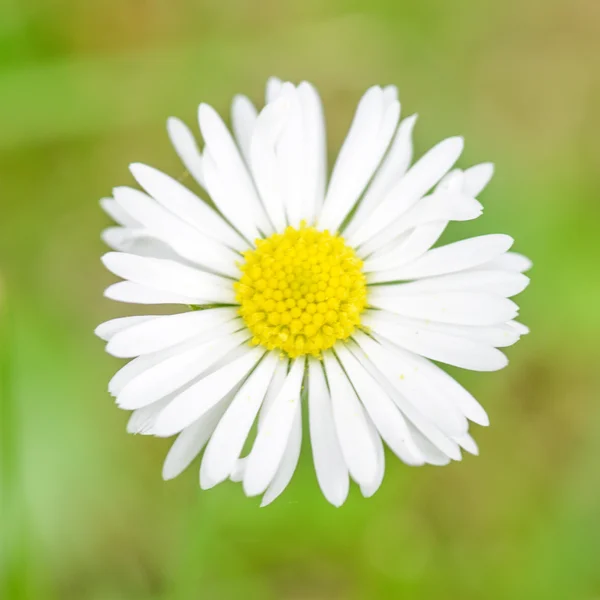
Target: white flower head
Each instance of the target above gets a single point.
(306, 290)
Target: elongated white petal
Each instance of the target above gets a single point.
(107, 330)
(127, 291)
(273, 89)
(389, 381)
(358, 448)
(192, 403)
(369, 489)
(272, 438)
(367, 141)
(138, 365)
(399, 367)
(421, 177)
(477, 177)
(281, 372)
(165, 331)
(226, 444)
(170, 276)
(499, 336)
(432, 453)
(243, 120)
(315, 151)
(466, 442)
(143, 419)
(500, 283)
(190, 442)
(446, 348)
(407, 248)
(451, 258)
(122, 217)
(509, 261)
(186, 205)
(448, 387)
(392, 169)
(289, 461)
(291, 158)
(460, 308)
(238, 200)
(263, 160)
(188, 242)
(386, 417)
(439, 206)
(519, 327)
(331, 470)
(186, 148)
(178, 370)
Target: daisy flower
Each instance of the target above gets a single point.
(306, 295)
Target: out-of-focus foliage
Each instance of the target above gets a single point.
(85, 88)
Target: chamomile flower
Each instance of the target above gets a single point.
(303, 294)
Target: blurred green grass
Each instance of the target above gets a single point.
(85, 89)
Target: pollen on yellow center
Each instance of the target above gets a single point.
(301, 291)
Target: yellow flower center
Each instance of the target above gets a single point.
(301, 291)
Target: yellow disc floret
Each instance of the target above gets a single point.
(301, 291)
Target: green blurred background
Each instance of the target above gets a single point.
(85, 89)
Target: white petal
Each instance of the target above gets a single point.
(386, 417)
(406, 248)
(226, 444)
(186, 205)
(291, 159)
(176, 371)
(281, 372)
(137, 241)
(509, 261)
(461, 308)
(138, 365)
(450, 349)
(360, 453)
(204, 394)
(368, 490)
(143, 419)
(332, 473)
(113, 210)
(186, 148)
(519, 327)
(439, 206)
(477, 177)
(272, 438)
(368, 139)
(170, 276)
(392, 169)
(421, 177)
(500, 283)
(127, 291)
(243, 120)
(315, 150)
(432, 454)
(187, 241)
(403, 372)
(190, 442)
(468, 443)
(289, 461)
(121, 238)
(165, 331)
(108, 329)
(263, 160)
(424, 425)
(273, 89)
(451, 258)
(238, 200)
(499, 336)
